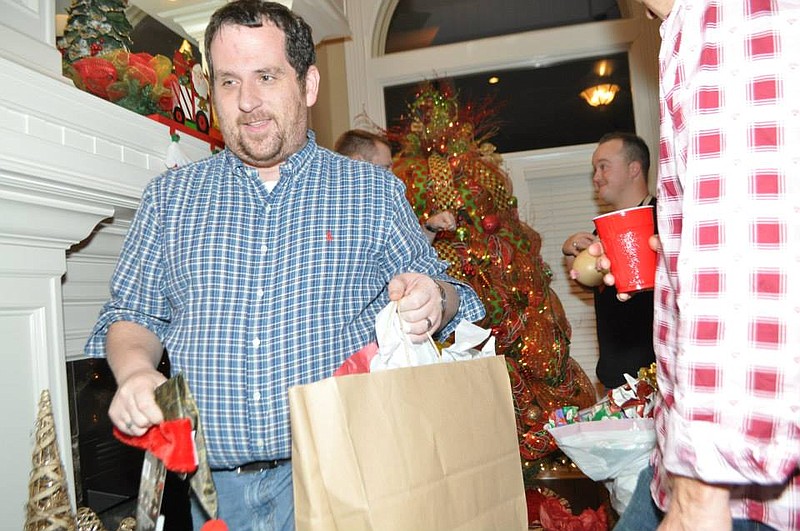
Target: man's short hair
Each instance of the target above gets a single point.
(299, 45)
(635, 149)
(359, 142)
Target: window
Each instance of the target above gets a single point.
(422, 23)
(539, 107)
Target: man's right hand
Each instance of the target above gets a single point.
(133, 409)
(133, 353)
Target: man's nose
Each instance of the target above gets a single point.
(249, 98)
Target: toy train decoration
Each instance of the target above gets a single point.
(190, 92)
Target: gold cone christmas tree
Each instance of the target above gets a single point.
(447, 164)
(48, 506)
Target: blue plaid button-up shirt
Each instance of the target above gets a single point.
(252, 291)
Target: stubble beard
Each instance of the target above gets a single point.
(263, 151)
(268, 149)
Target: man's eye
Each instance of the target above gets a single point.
(267, 77)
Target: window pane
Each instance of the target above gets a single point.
(422, 23)
(539, 107)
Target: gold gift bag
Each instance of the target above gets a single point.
(431, 447)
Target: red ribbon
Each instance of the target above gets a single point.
(171, 441)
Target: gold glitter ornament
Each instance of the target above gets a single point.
(89, 521)
(127, 524)
(48, 507)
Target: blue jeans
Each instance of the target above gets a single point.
(642, 514)
(252, 501)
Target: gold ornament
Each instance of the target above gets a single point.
(89, 521)
(48, 506)
(127, 524)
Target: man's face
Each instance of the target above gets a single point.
(613, 174)
(382, 156)
(261, 106)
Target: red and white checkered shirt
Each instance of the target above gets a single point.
(727, 300)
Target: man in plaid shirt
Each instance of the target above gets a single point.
(727, 311)
(263, 267)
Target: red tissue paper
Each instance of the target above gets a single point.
(550, 514)
(171, 441)
(359, 362)
(214, 525)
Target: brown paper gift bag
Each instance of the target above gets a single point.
(419, 448)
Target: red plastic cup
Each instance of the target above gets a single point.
(625, 234)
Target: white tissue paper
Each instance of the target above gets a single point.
(395, 349)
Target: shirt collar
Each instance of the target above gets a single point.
(289, 167)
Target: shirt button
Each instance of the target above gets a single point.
(263, 249)
(267, 209)
(257, 396)
(260, 443)
(259, 293)
(256, 342)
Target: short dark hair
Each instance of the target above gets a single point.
(635, 148)
(359, 142)
(299, 44)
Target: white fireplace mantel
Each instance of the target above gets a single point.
(72, 170)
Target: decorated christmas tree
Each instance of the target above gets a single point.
(94, 26)
(448, 165)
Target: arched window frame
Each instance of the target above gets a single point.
(369, 70)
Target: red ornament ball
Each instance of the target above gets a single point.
(491, 223)
(533, 415)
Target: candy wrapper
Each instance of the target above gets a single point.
(610, 441)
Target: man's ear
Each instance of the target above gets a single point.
(635, 169)
(312, 85)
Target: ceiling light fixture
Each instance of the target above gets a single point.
(601, 94)
(494, 80)
(601, 91)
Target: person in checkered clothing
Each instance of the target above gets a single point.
(727, 311)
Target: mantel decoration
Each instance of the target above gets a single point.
(97, 57)
(139, 82)
(94, 26)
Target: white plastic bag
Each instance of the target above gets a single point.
(613, 451)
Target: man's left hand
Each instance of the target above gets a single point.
(419, 304)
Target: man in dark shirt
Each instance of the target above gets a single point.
(624, 330)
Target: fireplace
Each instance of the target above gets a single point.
(106, 471)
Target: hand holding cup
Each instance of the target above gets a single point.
(624, 235)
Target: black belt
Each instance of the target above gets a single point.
(255, 466)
